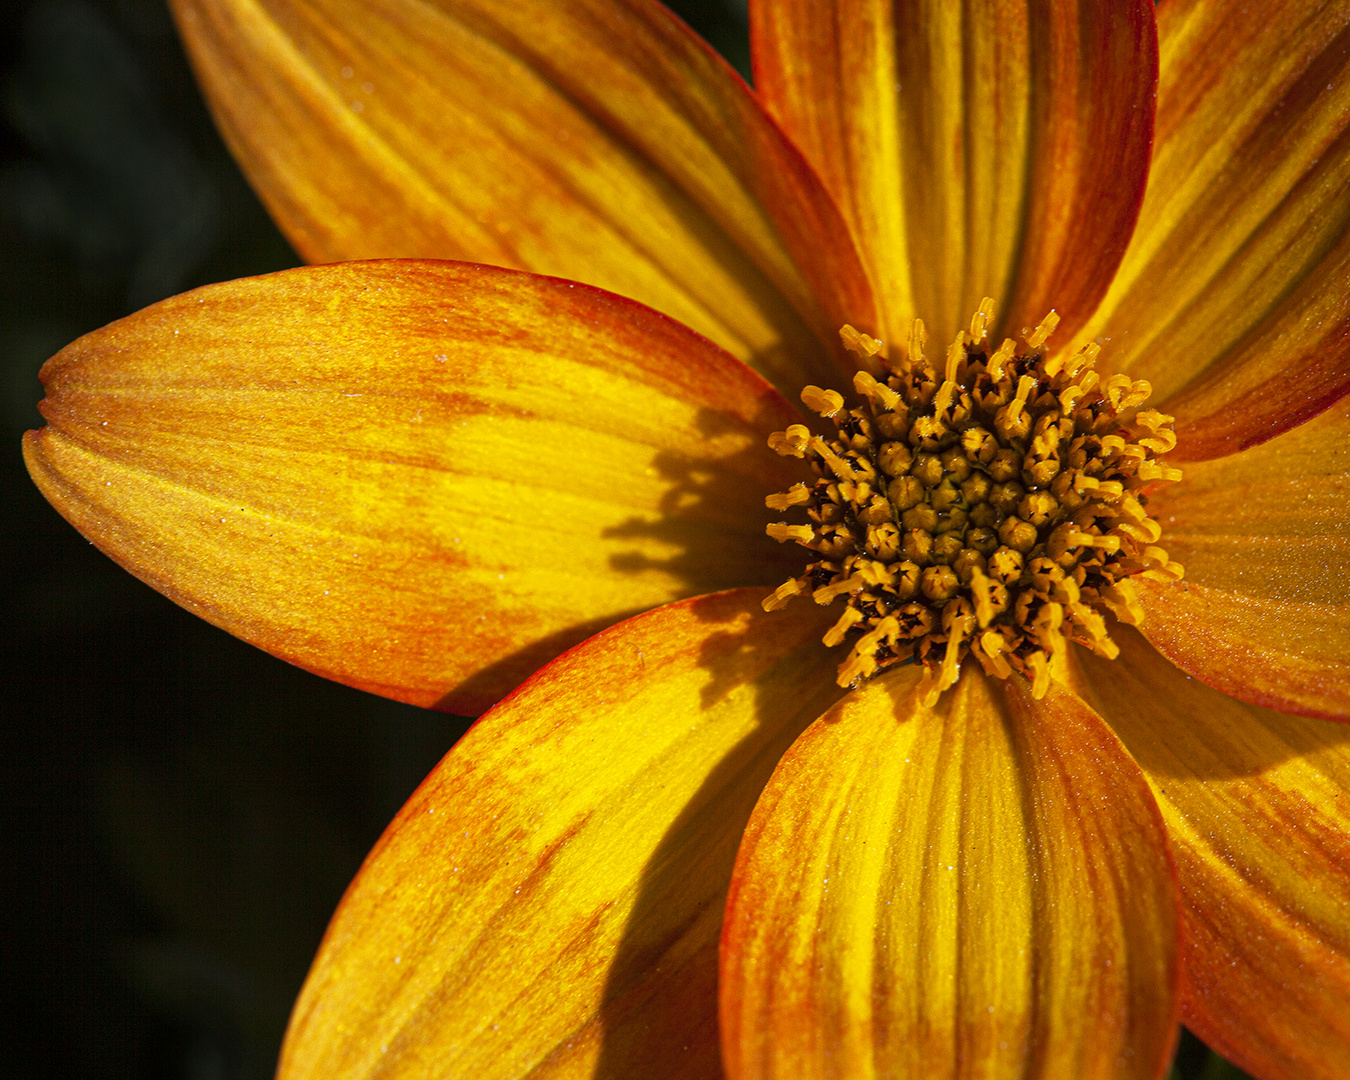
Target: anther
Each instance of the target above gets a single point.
(1123, 601)
(847, 621)
(781, 532)
(1038, 337)
(828, 403)
(1039, 668)
(1069, 396)
(826, 593)
(796, 495)
(837, 465)
(1153, 420)
(859, 344)
(979, 322)
(1001, 356)
(883, 395)
(1151, 470)
(918, 339)
(991, 645)
(785, 592)
(1081, 360)
(792, 442)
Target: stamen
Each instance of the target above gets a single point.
(1038, 337)
(826, 593)
(1069, 396)
(1147, 531)
(982, 590)
(1109, 544)
(1122, 600)
(847, 621)
(950, 669)
(956, 355)
(979, 322)
(1154, 420)
(1000, 358)
(1045, 627)
(785, 592)
(883, 395)
(828, 403)
(991, 645)
(781, 532)
(1038, 666)
(1151, 470)
(796, 495)
(792, 442)
(994, 510)
(860, 345)
(918, 338)
(837, 464)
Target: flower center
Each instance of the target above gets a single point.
(994, 509)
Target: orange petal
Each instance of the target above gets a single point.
(987, 149)
(596, 141)
(1257, 805)
(979, 889)
(1294, 657)
(422, 479)
(1232, 299)
(1264, 610)
(549, 901)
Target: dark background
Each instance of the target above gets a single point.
(180, 811)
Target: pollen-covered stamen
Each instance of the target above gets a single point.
(993, 505)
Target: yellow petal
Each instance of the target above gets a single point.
(978, 889)
(985, 149)
(422, 479)
(1231, 299)
(599, 142)
(549, 901)
(1264, 610)
(1257, 805)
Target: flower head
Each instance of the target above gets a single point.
(1012, 835)
(986, 510)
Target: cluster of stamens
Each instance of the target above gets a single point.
(995, 508)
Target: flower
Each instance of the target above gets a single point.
(429, 479)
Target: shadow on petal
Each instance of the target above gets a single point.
(704, 492)
(1178, 728)
(676, 973)
(483, 688)
(549, 901)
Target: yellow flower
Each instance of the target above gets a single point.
(429, 479)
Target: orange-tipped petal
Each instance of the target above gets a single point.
(1231, 299)
(987, 149)
(1291, 656)
(548, 903)
(1264, 610)
(598, 141)
(978, 889)
(1257, 806)
(423, 479)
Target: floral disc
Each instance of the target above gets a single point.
(995, 509)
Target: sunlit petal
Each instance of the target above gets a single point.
(422, 479)
(598, 141)
(1257, 805)
(978, 889)
(548, 904)
(1264, 610)
(1232, 298)
(986, 149)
